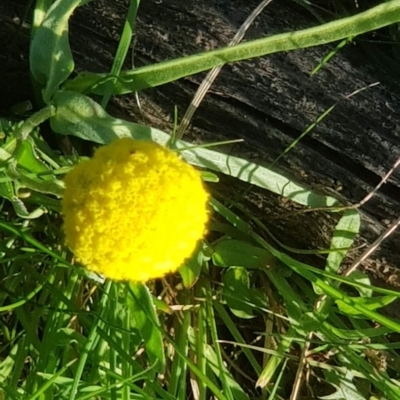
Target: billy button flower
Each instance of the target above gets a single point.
(135, 211)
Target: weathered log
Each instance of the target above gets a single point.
(267, 101)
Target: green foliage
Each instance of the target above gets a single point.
(50, 56)
(146, 321)
(67, 334)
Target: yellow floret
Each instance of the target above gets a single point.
(135, 211)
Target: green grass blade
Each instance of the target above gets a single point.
(177, 382)
(223, 373)
(338, 295)
(343, 237)
(51, 381)
(123, 47)
(331, 54)
(91, 341)
(275, 360)
(227, 320)
(143, 311)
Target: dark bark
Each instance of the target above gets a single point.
(267, 101)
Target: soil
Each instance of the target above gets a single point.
(268, 102)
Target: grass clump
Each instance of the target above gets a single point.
(241, 320)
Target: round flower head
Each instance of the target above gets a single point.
(135, 211)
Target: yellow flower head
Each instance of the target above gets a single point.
(135, 211)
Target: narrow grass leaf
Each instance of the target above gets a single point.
(123, 47)
(92, 339)
(275, 360)
(7, 365)
(237, 292)
(221, 372)
(190, 271)
(177, 382)
(339, 295)
(236, 335)
(343, 237)
(273, 393)
(144, 314)
(51, 381)
(371, 303)
(229, 385)
(331, 54)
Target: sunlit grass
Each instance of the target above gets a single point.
(242, 319)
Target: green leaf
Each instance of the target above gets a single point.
(208, 176)
(7, 365)
(190, 271)
(66, 336)
(51, 60)
(6, 187)
(241, 298)
(27, 157)
(212, 363)
(343, 237)
(236, 253)
(235, 292)
(79, 115)
(169, 71)
(146, 320)
(311, 321)
(345, 388)
(361, 277)
(371, 303)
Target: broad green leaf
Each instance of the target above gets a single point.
(208, 176)
(6, 187)
(27, 157)
(361, 277)
(51, 60)
(7, 365)
(345, 388)
(236, 292)
(371, 303)
(236, 253)
(143, 311)
(190, 271)
(8, 192)
(169, 71)
(79, 115)
(343, 237)
(240, 296)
